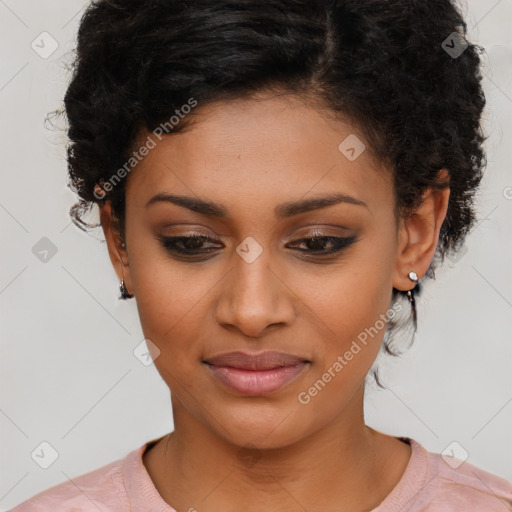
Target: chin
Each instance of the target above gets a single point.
(267, 426)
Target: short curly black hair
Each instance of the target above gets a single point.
(386, 66)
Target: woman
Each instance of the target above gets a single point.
(274, 180)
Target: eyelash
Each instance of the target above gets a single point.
(171, 245)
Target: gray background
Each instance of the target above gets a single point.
(68, 374)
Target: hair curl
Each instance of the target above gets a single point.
(379, 63)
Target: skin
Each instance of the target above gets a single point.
(251, 155)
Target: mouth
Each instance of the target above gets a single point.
(256, 374)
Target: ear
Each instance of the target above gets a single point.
(118, 254)
(418, 235)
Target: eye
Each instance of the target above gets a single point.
(188, 245)
(194, 245)
(324, 245)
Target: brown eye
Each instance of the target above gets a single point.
(325, 245)
(187, 245)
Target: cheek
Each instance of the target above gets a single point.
(345, 358)
(171, 316)
(347, 299)
(351, 311)
(171, 298)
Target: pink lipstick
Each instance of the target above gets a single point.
(256, 374)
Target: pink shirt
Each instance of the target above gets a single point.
(428, 484)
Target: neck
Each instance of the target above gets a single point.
(336, 468)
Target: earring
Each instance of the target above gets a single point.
(410, 294)
(124, 292)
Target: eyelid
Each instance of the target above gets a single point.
(322, 230)
(299, 233)
(181, 230)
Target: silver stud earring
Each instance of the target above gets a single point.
(124, 292)
(410, 294)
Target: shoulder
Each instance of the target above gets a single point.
(102, 489)
(450, 484)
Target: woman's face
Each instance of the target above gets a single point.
(256, 285)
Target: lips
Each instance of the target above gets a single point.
(256, 374)
(262, 361)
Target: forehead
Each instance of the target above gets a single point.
(266, 149)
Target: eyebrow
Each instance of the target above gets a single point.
(282, 211)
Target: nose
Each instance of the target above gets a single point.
(255, 298)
